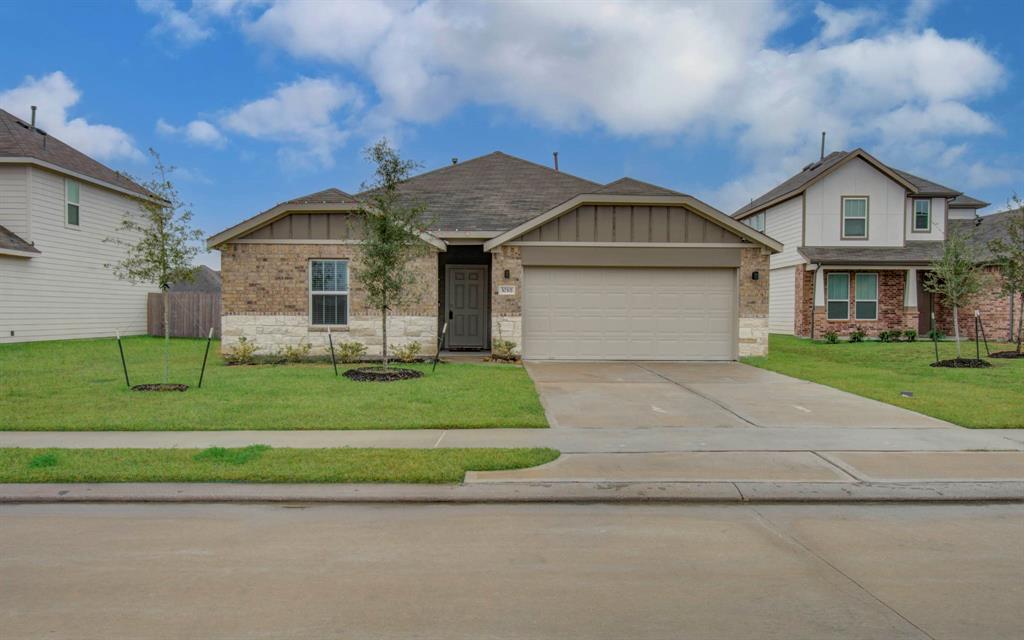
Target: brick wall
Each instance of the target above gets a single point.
(994, 307)
(507, 311)
(753, 302)
(891, 312)
(273, 279)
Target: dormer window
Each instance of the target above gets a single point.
(922, 216)
(71, 203)
(855, 217)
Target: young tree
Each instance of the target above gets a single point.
(393, 228)
(956, 277)
(163, 245)
(1009, 254)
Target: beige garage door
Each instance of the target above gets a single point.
(574, 313)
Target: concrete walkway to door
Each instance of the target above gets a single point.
(703, 394)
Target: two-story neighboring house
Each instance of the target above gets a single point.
(858, 237)
(57, 209)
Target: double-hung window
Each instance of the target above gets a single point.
(922, 215)
(865, 296)
(71, 189)
(756, 221)
(328, 292)
(838, 301)
(855, 217)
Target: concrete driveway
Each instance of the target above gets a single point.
(702, 394)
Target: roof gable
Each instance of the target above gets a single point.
(18, 140)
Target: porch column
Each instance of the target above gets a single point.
(819, 287)
(910, 310)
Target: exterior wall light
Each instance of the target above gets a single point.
(755, 275)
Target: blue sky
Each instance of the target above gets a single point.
(261, 101)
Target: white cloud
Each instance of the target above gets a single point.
(839, 24)
(980, 175)
(180, 25)
(300, 115)
(198, 132)
(55, 94)
(918, 12)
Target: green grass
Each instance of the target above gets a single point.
(975, 398)
(260, 463)
(78, 385)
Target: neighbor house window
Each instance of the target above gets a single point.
(328, 292)
(922, 215)
(71, 202)
(865, 296)
(855, 217)
(756, 222)
(838, 296)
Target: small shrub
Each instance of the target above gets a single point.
(504, 350)
(349, 351)
(241, 352)
(935, 334)
(889, 336)
(408, 352)
(831, 337)
(910, 335)
(857, 335)
(296, 352)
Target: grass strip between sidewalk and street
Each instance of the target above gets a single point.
(260, 463)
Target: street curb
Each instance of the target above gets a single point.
(519, 493)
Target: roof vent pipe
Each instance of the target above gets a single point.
(555, 155)
(455, 161)
(822, 146)
(33, 117)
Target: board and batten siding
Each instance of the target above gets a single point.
(630, 223)
(67, 291)
(782, 300)
(14, 200)
(886, 207)
(311, 226)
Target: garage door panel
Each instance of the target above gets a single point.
(629, 314)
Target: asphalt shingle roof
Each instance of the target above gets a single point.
(14, 242)
(629, 187)
(984, 229)
(205, 279)
(964, 201)
(912, 253)
(17, 140)
(327, 196)
(495, 192)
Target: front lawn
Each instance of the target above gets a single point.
(78, 385)
(976, 398)
(261, 464)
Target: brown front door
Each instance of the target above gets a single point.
(924, 306)
(465, 292)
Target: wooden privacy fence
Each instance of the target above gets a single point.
(192, 314)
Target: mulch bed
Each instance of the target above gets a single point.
(1006, 354)
(160, 387)
(962, 363)
(380, 374)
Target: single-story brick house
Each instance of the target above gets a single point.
(565, 267)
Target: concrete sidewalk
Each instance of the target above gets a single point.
(566, 440)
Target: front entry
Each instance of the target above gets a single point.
(925, 306)
(466, 293)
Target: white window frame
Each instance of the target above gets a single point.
(68, 203)
(856, 299)
(913, 215)
(845, 299)
(312, 294)
(843, 216)
(756, 221)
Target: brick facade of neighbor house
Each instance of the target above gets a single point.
(753, 302)
(892, 314)
(265, 297)
(994, 307)
(507, 310)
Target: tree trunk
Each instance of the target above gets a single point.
(384, 334)
(167, 338)
(956, 328)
